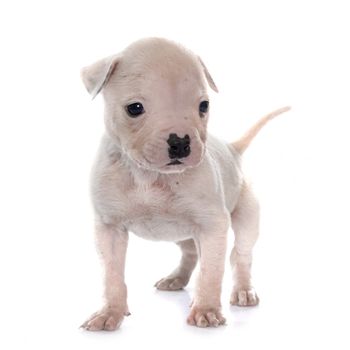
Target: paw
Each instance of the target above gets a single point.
(205, 317)
(171, 283)
(108, 319)
(244, 297)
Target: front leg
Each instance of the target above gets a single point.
(206, 306)
(112, 243)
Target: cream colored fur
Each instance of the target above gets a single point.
(192, 204)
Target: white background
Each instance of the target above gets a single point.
(262, 55)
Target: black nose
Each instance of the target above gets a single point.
(178, 147)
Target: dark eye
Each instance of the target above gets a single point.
(203, 107)
(135, 109)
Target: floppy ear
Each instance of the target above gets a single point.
(208, 76)
(96, 76)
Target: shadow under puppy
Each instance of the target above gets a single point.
(160, 175)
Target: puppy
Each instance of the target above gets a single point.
(160, 175)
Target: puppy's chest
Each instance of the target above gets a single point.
(148, 200)
(156, 212)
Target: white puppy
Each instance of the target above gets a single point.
(160, 175)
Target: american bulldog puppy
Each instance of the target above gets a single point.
(160, 175)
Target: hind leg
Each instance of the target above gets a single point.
(245, 224)
(181, 275)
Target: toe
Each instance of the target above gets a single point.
(201, 321)
(176, 284)
(234, 299)
(242, 298)
(191, 321)
(111, 324)
(213, 321)
(162, 284)
(252, 298)
(97, 323)
(222, 319)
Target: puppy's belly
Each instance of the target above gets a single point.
(162, 228)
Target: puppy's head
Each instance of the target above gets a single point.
(156, 103)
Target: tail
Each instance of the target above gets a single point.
(242, 144)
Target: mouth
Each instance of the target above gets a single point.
(146, 164)
(175, 162)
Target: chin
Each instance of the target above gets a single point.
(163, 169)
(178, 167)
(171, 167)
